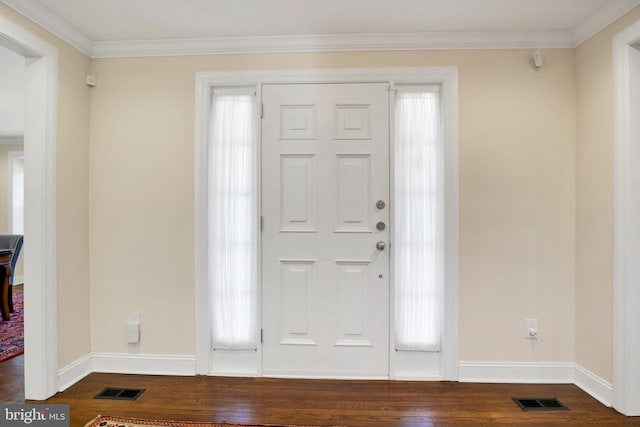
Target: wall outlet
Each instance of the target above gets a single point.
(531, 329)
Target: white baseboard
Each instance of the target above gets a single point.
(144, 364)
(74, 372)
(541, 373)
(125, 363)
(479, 372)
(18, 280)
(598, 388)
(509, 372)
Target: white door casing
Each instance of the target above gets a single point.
(403, 365)
(626, 270)
(41, 83)
(325, 284)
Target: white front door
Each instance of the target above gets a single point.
(325, 240)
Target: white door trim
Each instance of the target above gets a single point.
(626, 274)
(41, 83)
(447, 77)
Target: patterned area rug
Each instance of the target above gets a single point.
(12, 331)
(108, 421)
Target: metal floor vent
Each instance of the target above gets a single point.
(540, 404)
(114, 393)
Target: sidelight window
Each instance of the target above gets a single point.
(418, 218)
(232, 211)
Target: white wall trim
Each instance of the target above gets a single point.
(626, 250)
(125, 363)
(143, 364)
(40, 256)
(517, 372)
(74, 372)
(598, 388)
(476, 372)
(597, 22)
(52, 23)
(335, 43)
(537, 373)
(323, 43)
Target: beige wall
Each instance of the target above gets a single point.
(517, 196)
(594, 213)
(536, 197)
(72, 195)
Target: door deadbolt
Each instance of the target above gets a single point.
(381, 226)
(380, 204)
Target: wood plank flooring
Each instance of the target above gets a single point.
(319, 402)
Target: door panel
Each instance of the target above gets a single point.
(325, 163)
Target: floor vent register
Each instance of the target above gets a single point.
(114, 393)
(540, 404)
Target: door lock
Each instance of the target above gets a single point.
(380, 245)
(381, 226)
(380, 204)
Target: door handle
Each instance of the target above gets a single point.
(380, 245)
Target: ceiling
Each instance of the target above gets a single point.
(126, 28)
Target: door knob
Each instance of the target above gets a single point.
(380, 245)
(380, 204)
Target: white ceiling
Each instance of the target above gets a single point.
(11, 94)
(115, 27)
(103, 20)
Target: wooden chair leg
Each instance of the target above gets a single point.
(10, 298)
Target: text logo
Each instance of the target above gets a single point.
(34, 415)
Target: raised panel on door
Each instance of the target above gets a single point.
(297, 294)
(298, 198)
(325, 163)
(353, 193)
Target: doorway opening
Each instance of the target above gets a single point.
(41, 80)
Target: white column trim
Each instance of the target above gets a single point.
(626, 274)
(41, 334)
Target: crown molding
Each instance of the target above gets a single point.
(51, 22)
(42, 16)
(601, 19)
(335, 43)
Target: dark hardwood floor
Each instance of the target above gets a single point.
(318, 402)
(12, 380)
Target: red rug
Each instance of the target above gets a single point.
(12, 331)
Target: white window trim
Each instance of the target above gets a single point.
(446, 77)
(12, 155)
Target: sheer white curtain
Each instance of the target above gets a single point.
(418, 219)
(232, 220)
